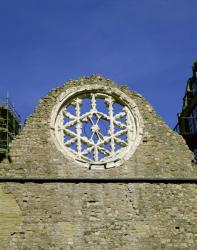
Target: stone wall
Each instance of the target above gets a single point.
(97, 215)
(103, 216)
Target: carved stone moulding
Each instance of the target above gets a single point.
(98, 127)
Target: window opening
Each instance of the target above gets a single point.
(96, 128)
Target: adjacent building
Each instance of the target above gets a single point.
(187, 119)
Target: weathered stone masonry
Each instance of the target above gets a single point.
(97, 215)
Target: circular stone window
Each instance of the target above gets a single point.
(97, 128)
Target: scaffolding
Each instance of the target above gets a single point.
(10, 124)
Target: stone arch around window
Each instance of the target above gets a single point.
(98, 127)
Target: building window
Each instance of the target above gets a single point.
(193, 120)
(194, 87)
(195, 154)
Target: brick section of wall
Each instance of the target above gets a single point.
(10, 216)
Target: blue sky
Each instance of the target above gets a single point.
(148, 44)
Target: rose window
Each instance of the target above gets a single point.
(98, 130)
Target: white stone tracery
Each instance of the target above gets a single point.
(97, 136)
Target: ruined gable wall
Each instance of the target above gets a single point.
(161, 152)
(98, 215)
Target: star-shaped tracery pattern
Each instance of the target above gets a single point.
(95, 127)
